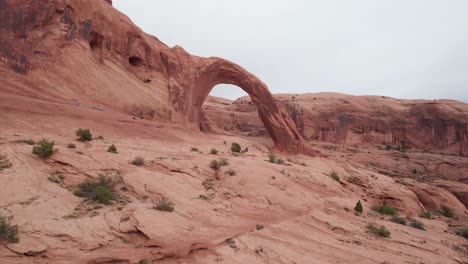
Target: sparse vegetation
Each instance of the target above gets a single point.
(447, 212)
(334, 175)
(358, 208)
(44, 149)
(427, 215)
(112, 149)
(463, 232)
(259, 227)
(236, 148)
(164, 204)
(213, 151)
(217, 164)
(84, 134)
(138, 161)
(380, 231)
(71, 146)
(230, 172)
(272, 157)
(144, 261)
(100, 190)
(386, 209)
(399, 220)
(100, 138)
(56, 177)
(27, 141)
(417, 224)
(8, 231)
(4, 162)
(354, 180)
(194, 150)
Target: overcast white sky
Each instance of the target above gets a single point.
(398, 48)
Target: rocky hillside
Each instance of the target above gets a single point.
(110, 152)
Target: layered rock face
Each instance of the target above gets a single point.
(44, 39)
(436, 126)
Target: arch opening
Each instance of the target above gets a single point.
(228, 108)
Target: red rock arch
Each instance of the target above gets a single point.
(192, 78)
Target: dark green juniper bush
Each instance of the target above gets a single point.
(84, 134)
(44, 149)
(358, 208)
(447, 212)
(112, 149)
(235, 147)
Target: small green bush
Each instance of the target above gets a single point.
(231, 172)
(463, 232)
(386, 209)
(215, 165)
(100, 190)
(358, 208)
(44, 149)
(380, 231)
(272, 157)
(223, 162)
(235, 147)
(213, 151)
(447, 212)
(334, 175)
(417, 224)
(71, 146)
(112, 149)
(427, 215)
(164, 204)
(399, 220)
(84, 134)
(138, 161)
(8, 232)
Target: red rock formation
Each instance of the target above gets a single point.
(38, 33)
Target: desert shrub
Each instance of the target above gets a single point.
(399, 220)
(417, 224)
(100, 138)
(215, 165)
(427, 215)
(164, 204)
(100, 190)
(463, 232)
(386, 209)
(380, 231)
(334, 175)
(231, 172)
(84, 134)
(358, 208)
(144, 261)
(138, 161)
(44, 149)
(112, 149)
(280, 161)
(71, 146)
(272, 157)
(447, 212)
(223, 162)
(8, 231)
(194, 150)
(213, 151)
(4, 162)
(259, 227)
(235, 147)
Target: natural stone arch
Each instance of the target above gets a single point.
(192, 78)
